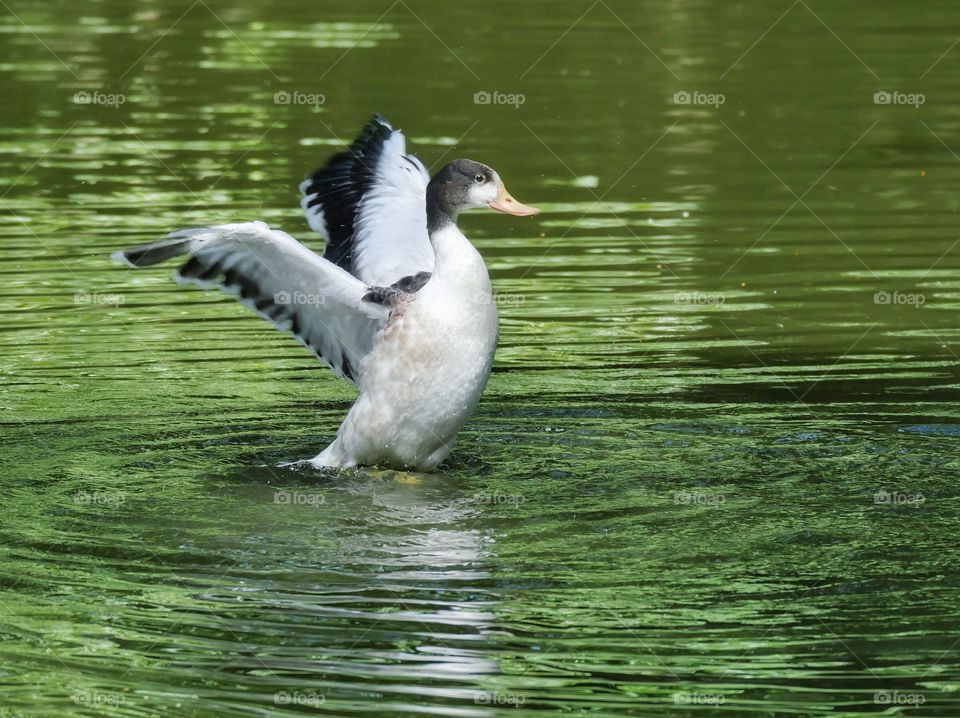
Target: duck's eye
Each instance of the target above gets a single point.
(479, 179)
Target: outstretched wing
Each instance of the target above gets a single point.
(281, 280)
(369, 203)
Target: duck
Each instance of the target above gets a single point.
(399, 303)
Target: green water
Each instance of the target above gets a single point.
(712, 474)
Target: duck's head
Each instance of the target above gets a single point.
(465, 184)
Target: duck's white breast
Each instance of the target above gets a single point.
(424, 378)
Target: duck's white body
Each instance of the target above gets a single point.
(400, 303)
(423, 379)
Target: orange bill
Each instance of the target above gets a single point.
(507, 204)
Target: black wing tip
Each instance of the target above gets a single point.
(368, 142)
(340, 184)
(147, 255)
(380, 120)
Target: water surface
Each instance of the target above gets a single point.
(715, 470)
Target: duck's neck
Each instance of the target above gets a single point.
(440, 210)
(456, 261)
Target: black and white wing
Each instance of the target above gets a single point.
(369, 203)
(282, 280)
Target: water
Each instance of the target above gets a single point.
(715, 469)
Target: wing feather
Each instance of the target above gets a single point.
(280, 279)
(369, 202)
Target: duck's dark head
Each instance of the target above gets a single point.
(465, 184)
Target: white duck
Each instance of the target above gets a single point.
(400, 303)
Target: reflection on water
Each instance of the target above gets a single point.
(715, 468)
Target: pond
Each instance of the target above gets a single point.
(715, 469)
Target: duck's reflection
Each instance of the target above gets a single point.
(386, 575)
